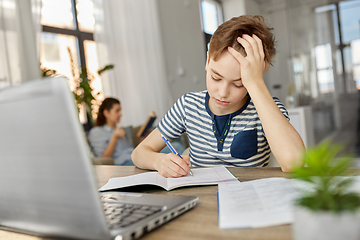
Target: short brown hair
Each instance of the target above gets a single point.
(229, 31)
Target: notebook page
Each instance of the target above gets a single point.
(202, 176)
(258, 203)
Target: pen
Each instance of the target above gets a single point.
(173, 149)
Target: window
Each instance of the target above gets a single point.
(57, 14)
(324, 68)
(346, 23)
(67, 43)
(355, 50)
(212, 17)
(55, 50)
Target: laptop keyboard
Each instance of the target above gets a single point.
(119, 215)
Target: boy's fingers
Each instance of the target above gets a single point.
(245, 42)
(181, 164)
(172, 173)
(184, 167)
(186, 159)
(237, 55)
(250, 40)
(254, 44)
(178, 170)
(260, 46)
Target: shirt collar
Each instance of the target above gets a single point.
(108, 128)
(232, 114)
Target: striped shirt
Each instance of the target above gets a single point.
(241, 144)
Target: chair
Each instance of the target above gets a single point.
(102, 161)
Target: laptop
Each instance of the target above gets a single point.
(47, 182)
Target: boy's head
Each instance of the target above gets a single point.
(227, 33)
(224, 82)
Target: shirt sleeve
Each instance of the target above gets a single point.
(173, 123)
(282, 108)
(99, 140)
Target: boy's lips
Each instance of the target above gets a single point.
(221, 102)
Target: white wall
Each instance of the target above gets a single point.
(233, 8)
(277, 77)
(252, 7)
(184, 45)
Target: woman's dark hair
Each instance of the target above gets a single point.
(107, 104)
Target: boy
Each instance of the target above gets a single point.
(236, 121)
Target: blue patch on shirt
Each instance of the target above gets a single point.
(221, 135)
(244, 144)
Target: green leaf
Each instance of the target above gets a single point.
(107, 67)
(324, 165)
(81, 79)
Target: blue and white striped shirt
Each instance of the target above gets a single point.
(242, 143)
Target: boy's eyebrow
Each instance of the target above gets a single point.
(216, 72)
(221, 75)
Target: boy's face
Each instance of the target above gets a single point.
(224, 85)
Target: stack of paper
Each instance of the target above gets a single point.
(261, 203)
(258, 203)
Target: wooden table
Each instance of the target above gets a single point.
(200, 222)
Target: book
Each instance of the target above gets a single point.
(202, 176)
(147, 125)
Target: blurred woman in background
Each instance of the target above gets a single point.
(108, 140)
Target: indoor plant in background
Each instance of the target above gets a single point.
(329, 209)
(84, 93)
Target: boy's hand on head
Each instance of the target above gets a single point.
(252, 66)
(171, 165)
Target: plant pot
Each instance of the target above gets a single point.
(310, 225)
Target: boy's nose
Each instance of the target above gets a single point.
(223, 91)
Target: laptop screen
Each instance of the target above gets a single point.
(46, 177)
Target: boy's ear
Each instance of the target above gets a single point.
(207, 60)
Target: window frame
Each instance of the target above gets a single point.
(80, 36)
(220, 19)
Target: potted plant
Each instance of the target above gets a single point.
(328, 209)
(84, 93)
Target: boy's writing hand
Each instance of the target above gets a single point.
(170, 165)
(253, 65)
(119, 132)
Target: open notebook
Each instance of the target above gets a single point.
(202, 176)
(47, 182)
